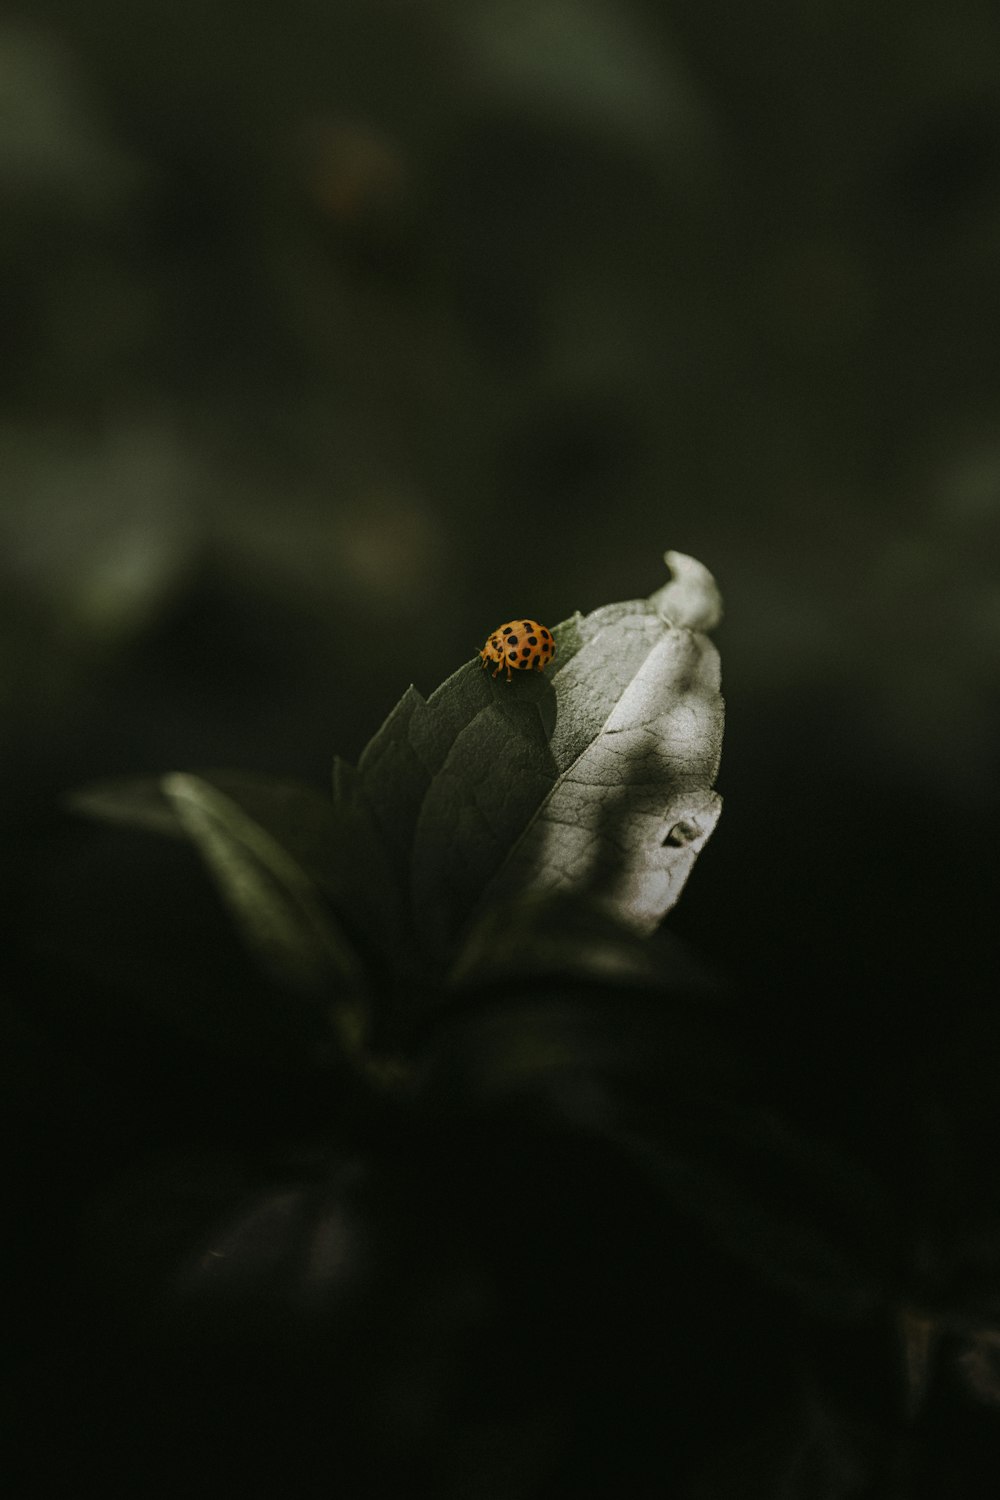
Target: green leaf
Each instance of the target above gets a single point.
(613, 1054)
(595, 780)
(666, 1078)
(811, 1224)
(526, 941)
(279, 856)
(405, 759)
(130, 801)
(365, 887)
(274, 902)
(636, 750)
(332, 845)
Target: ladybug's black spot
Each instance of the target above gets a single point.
(525, 651)
(545, 633)
(527, 624)
(508, 630)
(512, 640)
(532, 640)
(513, 656)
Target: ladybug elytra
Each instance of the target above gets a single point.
(519, 645)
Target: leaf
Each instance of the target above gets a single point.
(364, 886)
(596, 780)
(274, 851)
(132, 802)
(514, 943)
(631, 805)
(402, 762)
(273, 901)
(664, 1078)
(812, 1223)
(297, 815)
(605, 1054)
(333, 845)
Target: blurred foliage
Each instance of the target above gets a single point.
(335, 334)
(328, 300)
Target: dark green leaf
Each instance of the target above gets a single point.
(529, 940)
(596, 780)
(281, 859)
(133, 802)
(331, 842)
(664, 1078)
(811, 1223)
(274, 903)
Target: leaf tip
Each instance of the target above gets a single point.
(178, 784)
(690, 599)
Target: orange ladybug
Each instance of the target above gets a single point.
(519, 645)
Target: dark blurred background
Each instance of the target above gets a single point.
(334, 334)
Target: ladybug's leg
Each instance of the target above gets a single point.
(499, 668)
(508, 672)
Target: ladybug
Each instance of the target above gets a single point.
(519, 645)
